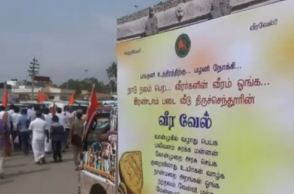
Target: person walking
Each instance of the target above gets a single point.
(68, 120)
(48, 119)
(39, 133)
(11, 109)
(62, 121)
(30, 110)
(24, 136)
(5, 116)
(4, 129)
(32, 116)
(57, 134)
(76, 132)
(15, 136)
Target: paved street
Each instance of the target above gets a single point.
(23, 176)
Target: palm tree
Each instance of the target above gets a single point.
(112, 71)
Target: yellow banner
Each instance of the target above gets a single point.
(209, 108)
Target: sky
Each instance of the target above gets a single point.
(67, 37)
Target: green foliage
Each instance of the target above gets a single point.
(85, 84)
(112, 71)
(112, 76)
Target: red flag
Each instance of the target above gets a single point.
(93, 105)
(53, 111)
(41, 96)
(5, 99)
(71, 100)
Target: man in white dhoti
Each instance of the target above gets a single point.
(39, 133)
(48, 119)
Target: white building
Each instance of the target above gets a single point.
(24, 93)
(13, 83)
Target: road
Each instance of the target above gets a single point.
(23, 176)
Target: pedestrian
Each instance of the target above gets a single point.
(48, 119)
(15, 136)
(68, 120)
(6, 137)
(10, 113)
(32, 115)
(39, 133)
(4, 129)
(76, 132)
(30, 110)
(24, 135)
(57, 136)
(62, 121)
(11, 109)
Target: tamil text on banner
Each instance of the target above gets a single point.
(209, 108)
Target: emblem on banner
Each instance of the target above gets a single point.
(183, 45)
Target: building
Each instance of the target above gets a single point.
(100, 96)
(24, 93)
(13, 83)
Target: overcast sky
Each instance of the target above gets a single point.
(66, 36)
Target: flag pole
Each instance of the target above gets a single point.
(89, 100)
(6, 107)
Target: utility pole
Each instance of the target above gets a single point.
(33, 71)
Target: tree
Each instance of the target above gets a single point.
(112, 71)
(112, 76)
(113, 86)
(85, 84)
(26, 82)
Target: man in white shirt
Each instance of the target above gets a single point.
(15, 116)
(48, 119)
(30, 110)
(9, 120)
(62, 121)
(32, 116)
(39, 133)
(14, 132)
(69, 119)
(11, 109)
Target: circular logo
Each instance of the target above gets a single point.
(183, 45)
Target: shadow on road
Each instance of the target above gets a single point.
(2, 182)
(67, 152)
(15, 165)
(17, 156)
(51, 161)
(20, 173)
(67, 160)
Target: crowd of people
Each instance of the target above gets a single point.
(32, 128)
